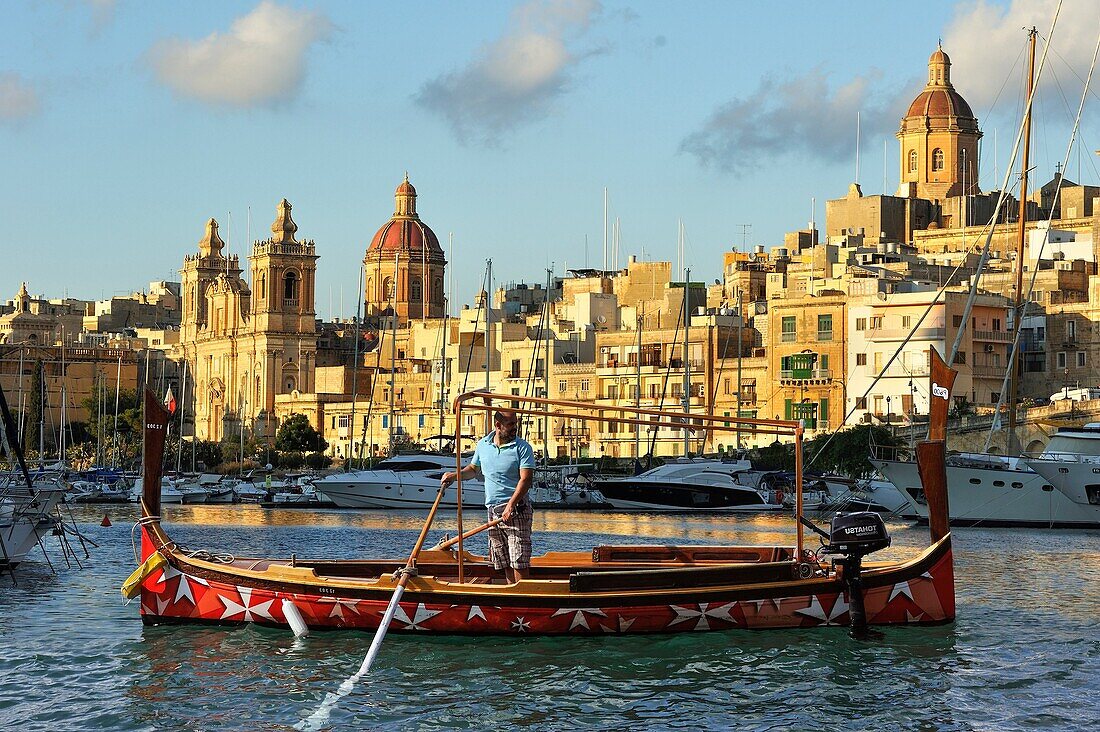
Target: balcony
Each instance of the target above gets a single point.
(997, 336)
(900, 334)
(807, 377)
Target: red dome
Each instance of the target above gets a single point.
(941, 102)
(405, 189)
(405, 234)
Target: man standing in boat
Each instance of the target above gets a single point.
(507, 463)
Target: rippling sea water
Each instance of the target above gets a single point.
(1023, 654)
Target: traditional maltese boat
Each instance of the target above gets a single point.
(611, 589)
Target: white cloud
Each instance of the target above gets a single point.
(985, 40)
(261, 60)
(799, 115)
(18, 99)
(516, 78)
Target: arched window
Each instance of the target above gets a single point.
(263, 286)
(388, 289)
(290, 288)
(937, 159)
(912, 161)
(416, 291)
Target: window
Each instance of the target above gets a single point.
(584, 384)
(876, 322)
(515, 368)
(415, 292)
(421, 421)
(937, 159)
(263, 286)
(824, 327)
(562, 385)
(907, 321)
(994, 397)
(912, 161)
(861, 359)
(290, 288)
(385, 421)
(861, 402)
(726, 386)
(861, 323)
(612, 391)
(960, 357)
(789, 333)
(1071, 330)
(996, 324)
(1080, 358)
(956, 320)
(1061, 359)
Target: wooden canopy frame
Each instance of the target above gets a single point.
(543, 407)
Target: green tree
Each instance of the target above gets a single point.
(208, 453)
(296, 434)
(848, 452)
(34, 410)
(129, 413)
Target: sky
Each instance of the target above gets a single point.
(125, 125)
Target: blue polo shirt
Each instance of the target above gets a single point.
(501, 466)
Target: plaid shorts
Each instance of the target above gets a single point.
(510, 543)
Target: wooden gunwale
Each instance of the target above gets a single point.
(531, 592)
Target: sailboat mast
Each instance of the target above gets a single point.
(118, 387)
(740, 348)
(638, 383)
(183, 410)
(488, 331)
(1018, 298)
(393, 350)
(685, 399)
(355, 371)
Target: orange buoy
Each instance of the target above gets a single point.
(106, 520)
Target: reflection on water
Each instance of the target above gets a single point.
(1022, 653)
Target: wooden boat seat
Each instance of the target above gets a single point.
(681, 577)
(691, 554)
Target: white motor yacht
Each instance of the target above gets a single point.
(402, 481)
(1073, 467)
(692, 484)
(995, 490)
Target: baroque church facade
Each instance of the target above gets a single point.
(244, 345)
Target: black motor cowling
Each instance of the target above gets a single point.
(853, 536)
(859, 533)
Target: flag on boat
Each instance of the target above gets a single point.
(170, 401)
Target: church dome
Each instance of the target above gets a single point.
(939, 103)
(943, 102)
(405, 232)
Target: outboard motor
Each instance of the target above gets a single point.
(853, 536)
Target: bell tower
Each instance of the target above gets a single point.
(939, 139)
(284, 272)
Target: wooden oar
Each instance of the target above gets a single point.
(448, 543)
(319, 718)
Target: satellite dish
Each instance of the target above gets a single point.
(601, 319)
(752, 256)
(882, 296)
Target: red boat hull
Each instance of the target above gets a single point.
(918, 592)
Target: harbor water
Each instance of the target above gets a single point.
(1023, 654)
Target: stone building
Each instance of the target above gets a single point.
(244, 346)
